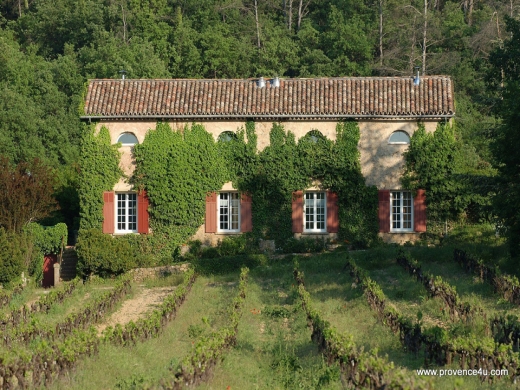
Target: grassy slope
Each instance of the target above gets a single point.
(151, 360)
(274, 348)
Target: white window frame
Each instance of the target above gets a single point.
(126, 208)
(220, 215)
(313, 203)
(407, 142)
(401, 207)
(127, 144)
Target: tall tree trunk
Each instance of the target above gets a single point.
(302, 12)
(290, 14)
(380, 32)
(19, 8)
(470, 12)
(424, 37)
(124, 22)
(257, 25)
(413, 46)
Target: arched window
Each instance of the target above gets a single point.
(226, 136)
(127, 139)
(399, 137)
(314, 136)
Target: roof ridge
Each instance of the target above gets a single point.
(281, 78)
(298, 97)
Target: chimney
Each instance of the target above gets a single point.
(416, 79)
(275, 82)
(260, 82)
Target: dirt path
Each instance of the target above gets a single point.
(145, 300)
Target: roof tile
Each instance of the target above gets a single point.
(342, 96)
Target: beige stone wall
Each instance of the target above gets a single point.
(381, 162)
(399, 238)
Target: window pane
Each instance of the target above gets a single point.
(315, 211)
(235, 209)
(127, 139)
(229, 211)
(402, 210)
(399, 137)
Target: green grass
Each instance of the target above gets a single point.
(274, 348)
(116, 367)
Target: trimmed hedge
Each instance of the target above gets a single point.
(226, 264)
(103, 255)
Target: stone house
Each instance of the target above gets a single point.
(387, 109)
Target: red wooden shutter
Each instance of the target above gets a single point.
(297, 212)
(419, 211)
(332, 212)
(143, 224)
(211, 212)
(384, 211)
(246, 216)
(109, 214)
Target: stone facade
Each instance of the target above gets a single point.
(141, 274)
(381, 106)
(381, 162)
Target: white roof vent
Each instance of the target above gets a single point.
(417, 78)
(260, 82)
(275, 82)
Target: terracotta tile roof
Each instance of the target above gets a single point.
(306, 98)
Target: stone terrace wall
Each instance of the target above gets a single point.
(140, 274)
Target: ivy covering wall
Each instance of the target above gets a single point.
(439, 164)
(99, 172)
(178, 168)
(287, 165)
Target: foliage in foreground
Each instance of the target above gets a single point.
(506, 146)
(26, 193)
(358, 368)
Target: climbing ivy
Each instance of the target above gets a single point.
(178, 168)
(45, 240)
(99, 172)
(286, 165)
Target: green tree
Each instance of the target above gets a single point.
(25, 193)
(505, 78)
(430, 164)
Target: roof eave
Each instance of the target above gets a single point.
(270, 116)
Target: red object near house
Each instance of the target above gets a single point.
(419, 213)
(108, 212)
(332, 212)
(48, 270)
(211, 212)
(143, 224)
(246, 217)
(384, 211)
(297, 212)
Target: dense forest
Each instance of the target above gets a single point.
(49, 49)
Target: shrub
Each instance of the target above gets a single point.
(222, 265)
(304, 245)
(11, 256)
(103, 255)
(37, 241)
(25, 194)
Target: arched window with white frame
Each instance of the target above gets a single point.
(399, 137)
(127, 139)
